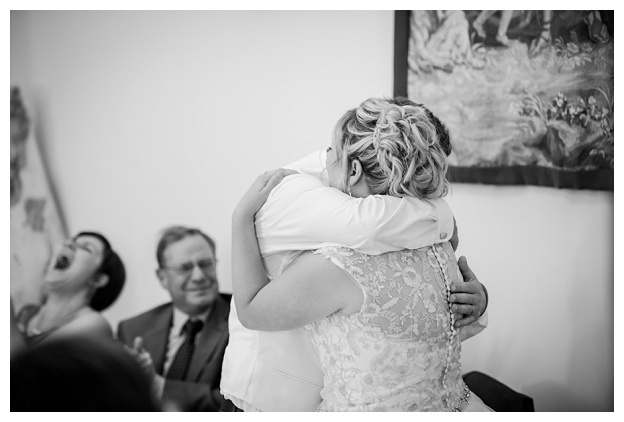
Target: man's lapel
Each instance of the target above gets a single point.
(156, 337)
(214, 328)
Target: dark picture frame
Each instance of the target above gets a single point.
(559, 132)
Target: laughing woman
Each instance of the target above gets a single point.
(85, 278)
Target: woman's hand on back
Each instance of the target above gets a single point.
(259, 191)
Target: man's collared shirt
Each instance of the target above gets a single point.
(176, 337)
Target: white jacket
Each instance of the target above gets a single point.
(279, 371)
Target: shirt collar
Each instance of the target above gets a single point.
(180, 318)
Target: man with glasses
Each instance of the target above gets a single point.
(181, 344)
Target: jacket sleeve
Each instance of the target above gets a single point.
(122, 335)
(312, 164)
(303, 214)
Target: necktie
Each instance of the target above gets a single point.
(182, 359)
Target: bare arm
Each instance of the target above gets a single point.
(311, 288)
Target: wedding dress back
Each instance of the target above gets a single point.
(400, 352)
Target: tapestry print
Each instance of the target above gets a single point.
(527, 95)
(36, 228)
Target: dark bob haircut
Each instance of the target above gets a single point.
(113, 267)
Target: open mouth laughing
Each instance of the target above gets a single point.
(63, 260)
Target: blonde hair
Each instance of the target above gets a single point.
(401, 146)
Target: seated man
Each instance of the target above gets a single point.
(280, 371)
(181, 343)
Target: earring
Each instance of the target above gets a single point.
(349, 190)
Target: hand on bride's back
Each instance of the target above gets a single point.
(259, 191)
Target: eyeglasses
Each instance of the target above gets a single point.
(206, 266)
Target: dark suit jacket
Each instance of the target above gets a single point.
(201, 392)
(497, 395)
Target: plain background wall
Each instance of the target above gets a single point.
(152, 118)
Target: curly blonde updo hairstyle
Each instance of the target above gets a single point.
(402, 147)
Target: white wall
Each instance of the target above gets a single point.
(152, 118)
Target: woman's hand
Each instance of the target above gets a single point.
(259, 191)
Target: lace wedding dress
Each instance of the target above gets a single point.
(401, 351)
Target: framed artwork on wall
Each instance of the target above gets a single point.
(527, 95)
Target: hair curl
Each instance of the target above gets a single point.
(401, 146)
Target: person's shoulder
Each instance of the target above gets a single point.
(224, 301)
(428, 206)
(93, 319)
(224, 306)
(295, 186)
(89, 322)
(300, 180)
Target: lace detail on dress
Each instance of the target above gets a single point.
(400, 352)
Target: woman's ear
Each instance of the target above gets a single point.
(100, 280)
(355, 172)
